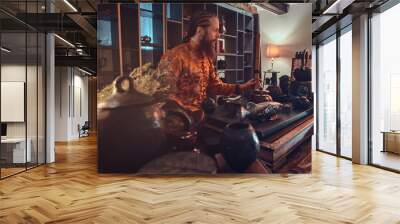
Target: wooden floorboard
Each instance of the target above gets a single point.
(71, 191)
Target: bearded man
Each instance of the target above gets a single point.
(188, 68)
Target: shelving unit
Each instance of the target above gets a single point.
(166, 24)
(238, 39)
(238, 43)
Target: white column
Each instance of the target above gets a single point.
(360, 90)
(50, 92)
(314, 90)
(50, 100)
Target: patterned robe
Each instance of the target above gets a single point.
(190, 78)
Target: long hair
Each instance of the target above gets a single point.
(200, 19)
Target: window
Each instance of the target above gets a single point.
(385, 84)
(327, 96)
(22, 74)
(346, 93)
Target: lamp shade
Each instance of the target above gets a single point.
(272, 51)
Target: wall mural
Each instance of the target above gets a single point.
(181, 91)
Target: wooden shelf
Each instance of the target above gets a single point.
(151, 45)
(149, 13)
(227, 35)
(174, 21)
(229, 70)
(127, 49)
(226, 54)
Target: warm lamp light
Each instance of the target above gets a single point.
(272, 51)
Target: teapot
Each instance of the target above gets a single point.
(129, 129)
(260, 96)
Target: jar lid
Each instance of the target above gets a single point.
(126, 97)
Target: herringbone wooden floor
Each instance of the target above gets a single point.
(71, 191)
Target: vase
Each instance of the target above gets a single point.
(240, 145)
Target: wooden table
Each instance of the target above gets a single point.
(276, 148)
(278, 138)
(391, 141)
(16, 150)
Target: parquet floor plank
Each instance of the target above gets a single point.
(71, 191)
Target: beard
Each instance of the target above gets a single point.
(208, 47)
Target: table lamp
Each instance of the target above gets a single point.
(272, 52)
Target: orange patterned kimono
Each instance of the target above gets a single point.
(191, 78)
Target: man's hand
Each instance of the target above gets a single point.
(251, 84)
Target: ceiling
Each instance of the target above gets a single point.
(76, 21)
(330, 15)
(76, 24)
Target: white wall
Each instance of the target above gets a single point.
(33, 127)
(291, 31)
(71, 94)
(61, 103)
(80, 112)
(16, 73)
(11, 73)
